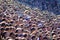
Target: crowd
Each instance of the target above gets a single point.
(18, 22)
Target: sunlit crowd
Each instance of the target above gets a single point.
(19, 22)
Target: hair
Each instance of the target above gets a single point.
(16, 39)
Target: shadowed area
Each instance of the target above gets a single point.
(50, 5)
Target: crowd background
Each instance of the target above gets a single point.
(50, 5)
(20, 22)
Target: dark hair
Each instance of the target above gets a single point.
(16, 31)
(53, 39)
(16, 39)
(11, 22)
(33, 37)
(3, 19)
(32, 29)
(11, 34)
(4, 16)
(4, 34)
(2, 29)
(3, 24)
(7, 29)
(58, 32)
(45, 38)
(16, 35)
(25, 35)
(53, 34)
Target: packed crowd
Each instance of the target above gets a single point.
(19, 22)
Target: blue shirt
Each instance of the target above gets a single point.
(0, 20)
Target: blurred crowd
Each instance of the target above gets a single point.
(50, 5)
(19, 22)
